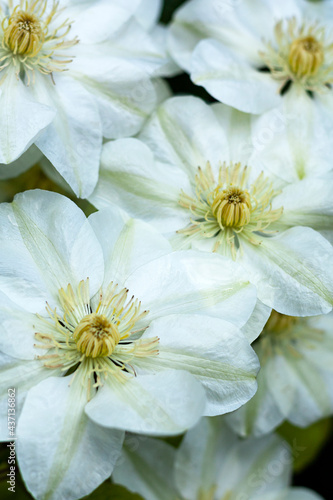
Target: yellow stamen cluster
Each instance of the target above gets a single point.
(306, 56)
(279, 323)
(286, 336)
(301, 53)
(96, 336)
(28, 42)
(228, 207)
(24, 34)
(231, 207)
(98, 343)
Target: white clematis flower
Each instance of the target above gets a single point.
(192, 178)
(210, 464)
(104, 329)
(69, 75)
(263, 55)
(296, 377)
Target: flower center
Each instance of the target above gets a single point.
(24, 34)
(231, 207)
(32, 39)
(279, 323)
(306, 56)
(96, 336)
(301, 53)
(228, 207)
(98, 339)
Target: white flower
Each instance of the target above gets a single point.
(296, 379)
(191, 173)
(71, 73)
(210, 464)
(105, 330)
(267, 56)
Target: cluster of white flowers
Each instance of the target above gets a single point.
(197, 297)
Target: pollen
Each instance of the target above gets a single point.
(306, 56)
(24, 34)
(96, 336)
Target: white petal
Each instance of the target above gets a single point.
(158, 404)
(127, 244)
(185, 132)
(22, 119)
(292, 271)
(194, 282)
(42, 237)
(149, 12)
(122, 90)
(257, 321)
(73, 141)
(23, 163)
(95, 23)
(307, 203)
(230, 79)
(212, 350)
(131, 179)
(146, 467)
(62, 455)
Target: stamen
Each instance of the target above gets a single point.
(96, 336)
(306, 56)
(228, 207)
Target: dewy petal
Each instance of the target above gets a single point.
(292, 271)
(73, 141)
(27, 160)
(213, 351)
(61, 454)
(122, 90)
(127, 244)
(230, 79)
(192, 282)
(22, 119)
(146, 467)
(42, 235)
(161, 404)
(185, 132)
(130, 178)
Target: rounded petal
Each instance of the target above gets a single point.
(230, 79)
(156, 404)
(194, 282)
(22, 119)
(213, 351)
(131, 179)
(146, 467)
(292, 271)
(127, 244)
(42, 236)
(73, 141)
(61, 454)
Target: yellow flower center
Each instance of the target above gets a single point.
(227, 207)
(231, 207)
(24, 34)
(96, 336)
(306, 56)
(279, 323)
